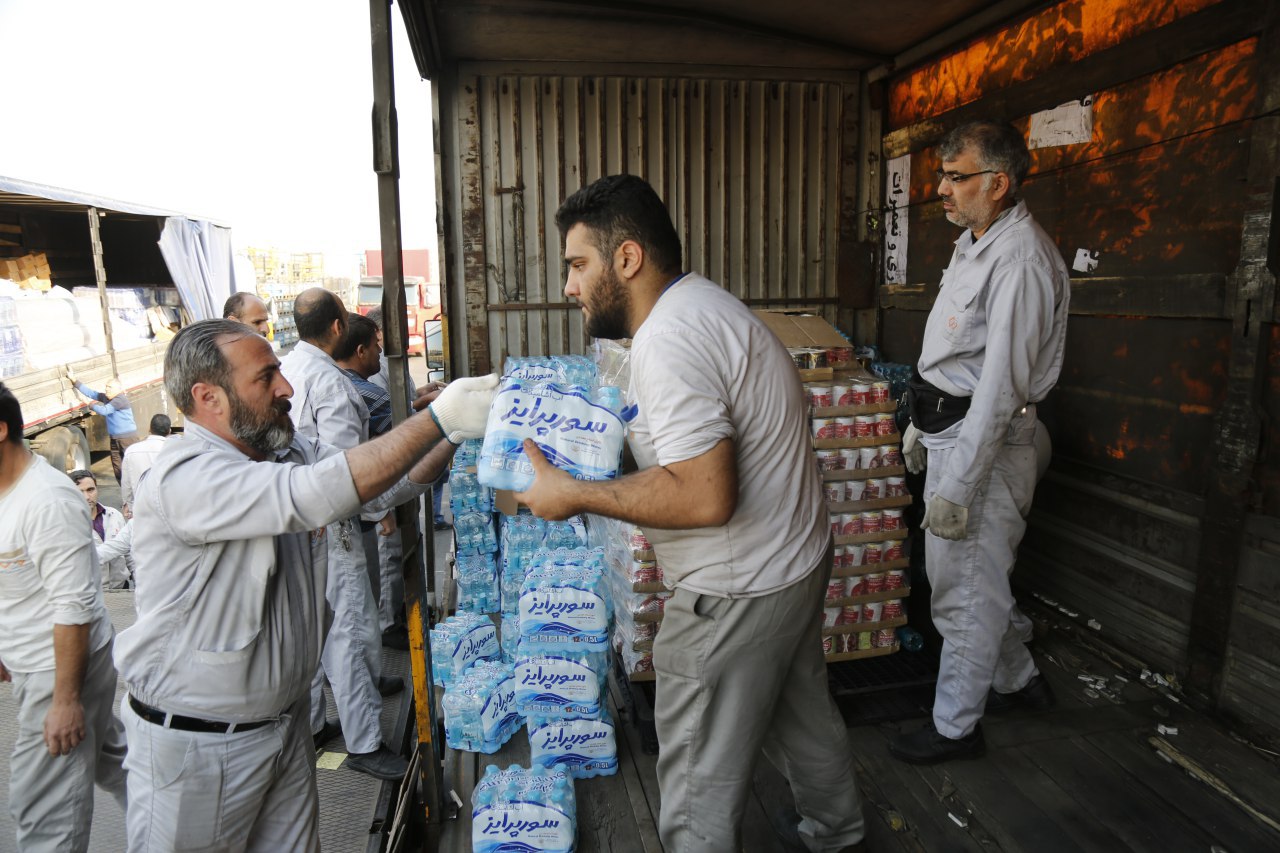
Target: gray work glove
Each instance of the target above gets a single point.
(944, 519)
(914, 454)
(462, 408)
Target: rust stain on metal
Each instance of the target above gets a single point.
(1062, 34)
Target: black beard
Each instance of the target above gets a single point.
(608, 313)
(265, 434)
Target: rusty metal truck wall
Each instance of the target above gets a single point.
(751, 171)
(1152, 203)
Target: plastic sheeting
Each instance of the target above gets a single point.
(199, 257)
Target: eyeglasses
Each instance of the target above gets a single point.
(959, 177)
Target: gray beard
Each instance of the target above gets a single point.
(264, 435)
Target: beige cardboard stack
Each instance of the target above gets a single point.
(848, 595)
(30, 272)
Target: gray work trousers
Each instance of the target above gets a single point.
(352, 655)
(206, 791)
(737, 677)
(984, 634)
(51, 798)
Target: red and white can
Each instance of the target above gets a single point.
(828, 645)
(844, 427)
(824, 427)
(890, 455)
(872, 489)
(868, 457)
(880, 392)
(854, 555)
(860, 394)
(838, 393)
(893, 608)
(872, 520)
(895, 487)
(855, 585)
(864, 425)
(820, 396)
(850, 524)
(853, 489)
(895, 579)
(831, 616)
(886, 423)
(838, 557)
(835, 588)
(891, 550)
(883, 639)
(892, 519)
(874, 554)
(839, 356)
(836, 525)
(833, 491)
(874, 581)
(851, 614)
(873, 611)
(849, 456)
(828, 460)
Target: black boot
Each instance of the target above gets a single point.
(1036, 695)
(926, 746)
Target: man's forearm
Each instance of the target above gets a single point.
(70, 660)
(655, 497)
(434, 463)
(377, 465)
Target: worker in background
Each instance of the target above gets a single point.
(55, 647)
(231, 592)
(113, 404)
(993, 347)
(248, 309)
(106, 523)
(722, 441)
(327, 407)
(138, 458)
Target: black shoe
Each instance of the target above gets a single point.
(926, 746)
(442, 525)
(390, 686)
(396, 638)
(1036, 695)
(327, 732)
(382, 764)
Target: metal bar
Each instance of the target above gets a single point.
(417, 575)
(100, 274)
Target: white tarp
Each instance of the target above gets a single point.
(1066, 124)
(198, 254)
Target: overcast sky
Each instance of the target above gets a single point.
(252, 112)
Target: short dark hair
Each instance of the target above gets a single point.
(234, 305)
(195, 355)
(161, 425)
(82, 474)
(620, 208)
(314, 311)
(361, 332)
(11, 414)
(998, 145)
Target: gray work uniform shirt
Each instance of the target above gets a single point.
(325, 405)
(231, 575)
(996, 333)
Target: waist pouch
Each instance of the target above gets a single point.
(932, 409)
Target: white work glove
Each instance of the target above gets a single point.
(462, 408)
(914, 454)
(944, 519)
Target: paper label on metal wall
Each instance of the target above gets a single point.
(896, 193)
(1066, 124)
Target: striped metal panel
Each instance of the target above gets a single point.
(751, 171)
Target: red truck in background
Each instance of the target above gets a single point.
(421, 295)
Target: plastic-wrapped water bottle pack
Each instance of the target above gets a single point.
(478, 590)
(523, 809)
(458, 642)
(480, 708)
(584, 748)
(565, 685)
(563, 603)
(580, 427)
(473, 533)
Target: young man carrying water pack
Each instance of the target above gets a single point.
(722, 442)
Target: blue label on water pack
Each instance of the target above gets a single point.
(498, 717)
(480, 642)
(556, 687)
(521, 826)
(564, 615)
(583, 747)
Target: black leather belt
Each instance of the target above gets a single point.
(190, 724)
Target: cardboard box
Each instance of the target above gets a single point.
(802, 330)
(505, 502)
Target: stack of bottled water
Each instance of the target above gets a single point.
(479, 708)
(458, 642)
(584, 748)
(578, 425)
(563, 604)
(478, 590)
(465, 492)
(522, 809)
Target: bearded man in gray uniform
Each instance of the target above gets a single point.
(230, 593)
(993, 347)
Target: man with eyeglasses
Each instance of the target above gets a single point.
(992, 349)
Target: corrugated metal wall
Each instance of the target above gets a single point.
(750, 170)
(1143, 419)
